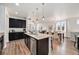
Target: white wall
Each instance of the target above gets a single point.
(72, 26)
(4, 23)
(2, 18)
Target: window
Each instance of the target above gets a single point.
(60, 26)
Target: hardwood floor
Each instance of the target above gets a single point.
(65, 48)
(16, 47)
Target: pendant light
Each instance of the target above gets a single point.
(37, 14)
(33, 17)
(43, 17)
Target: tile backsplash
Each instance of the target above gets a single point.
(16, 29)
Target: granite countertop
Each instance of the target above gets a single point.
(39, 35)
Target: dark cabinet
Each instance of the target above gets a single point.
(12, 22)
(17, 23)
(27, 41)
(41, 47)
(1, 43)
(11, 36)
(16, 36)
(23, 24)
(20, 24)
(78, 43)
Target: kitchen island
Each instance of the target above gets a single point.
(39, 44)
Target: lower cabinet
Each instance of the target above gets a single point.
(27, 41)
(16, 36)
(42, 46)
(78, 43)
(37, 47)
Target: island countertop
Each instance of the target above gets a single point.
(39, 36)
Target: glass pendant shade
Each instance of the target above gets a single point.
(43, 18)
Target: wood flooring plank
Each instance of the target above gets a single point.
(16, 47)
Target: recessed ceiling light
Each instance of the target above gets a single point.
(16, 12)
(17, 4)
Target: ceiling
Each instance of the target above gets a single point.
(52, 11)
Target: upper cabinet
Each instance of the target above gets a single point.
(17, 23)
